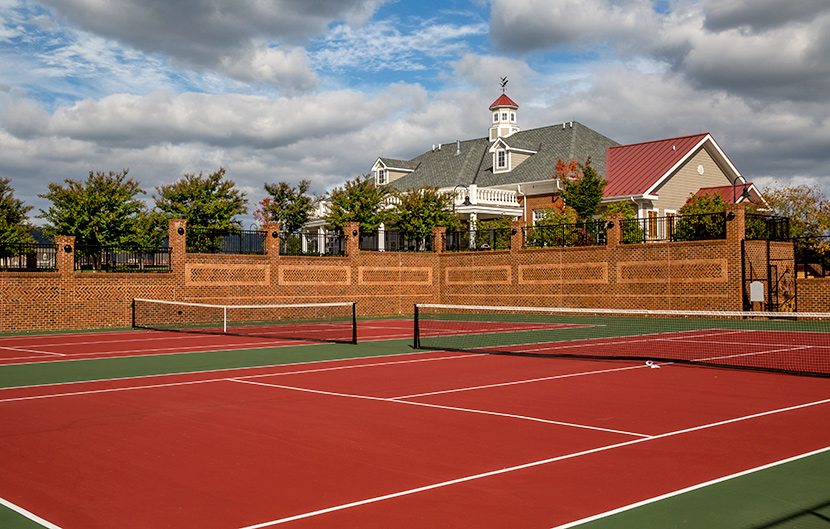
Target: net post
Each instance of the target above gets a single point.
(416, 342)
(354, 323)
(225, 319)
(133, 310)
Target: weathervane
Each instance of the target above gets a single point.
(503, 83)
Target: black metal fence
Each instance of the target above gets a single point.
(477, 240)
(107, 259)
(225, 241)
(812, 256)
(766, 227)
(589, 233)
(28, 257)
(394, 241)
(707, 226)
(330, 243)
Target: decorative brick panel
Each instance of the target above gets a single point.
(221, 274)
(315, 275)
(564, 273)
(687, 271)
(478, 275)
(394, 275)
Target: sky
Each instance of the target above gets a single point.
(285, 90)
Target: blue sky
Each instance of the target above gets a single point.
(283, 90)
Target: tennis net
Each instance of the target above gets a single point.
(317, 322)
(797, 343)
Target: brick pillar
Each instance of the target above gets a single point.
(66, 254)
(272, 240)
(613, 232)
(352, 232)
(439, 233)
(517, 235)
(176, 233)
(735, 233)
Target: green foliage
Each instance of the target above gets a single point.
(493, 234)
(290, 206)
(584, 193)
(14, 225)
(632, 230)
(359, 200)
(559, 226)
(203, 201)
(807, 208)
(209, 204)
(417, 211)
(103, 210)
(702, 217)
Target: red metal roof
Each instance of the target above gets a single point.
(731, 194)
(503, 101)
(634, 169)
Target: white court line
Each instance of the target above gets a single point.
(528, 381)
(690, 489)
(525, 466)
(31, 516)
(218, 379)
(28, 351)
(440, 407)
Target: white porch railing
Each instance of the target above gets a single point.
(485, 196)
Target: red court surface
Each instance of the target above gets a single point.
(409, 441)
(78, 346)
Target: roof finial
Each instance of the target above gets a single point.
(503, 83)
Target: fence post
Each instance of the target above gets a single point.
(351, 230)
(176, 236)
(439, 233)
(272, 240)
(517, 235)
(613, 229)
(65, 259)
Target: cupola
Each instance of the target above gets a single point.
(504, 121)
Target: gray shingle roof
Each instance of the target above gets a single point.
(474, 165)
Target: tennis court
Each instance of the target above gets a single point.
(241, 434)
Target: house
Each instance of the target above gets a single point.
(510, 172)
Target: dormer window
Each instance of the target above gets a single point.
(501, 159)
(381, 176)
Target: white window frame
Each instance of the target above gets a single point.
(501, 159)
(504, 116)
(381, 176)
(495, 117)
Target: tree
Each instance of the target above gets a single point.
(807, 208)
(417, 211)
(701, 217)
(203, 201)
(632, 231)
(290, 206)
(359, 200)
(14, 225)
(582, 193)
(103, 210)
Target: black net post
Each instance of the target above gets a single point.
(416, 343)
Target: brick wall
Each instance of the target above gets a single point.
(682, 275)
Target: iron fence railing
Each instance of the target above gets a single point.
(477, 240)
(330, 243)
(28, 257)
(589, 233)
(706, 226)
(812, 256)
(766, 227)
(108, 259)
(394, 241)
(225, 241)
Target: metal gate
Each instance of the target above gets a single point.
(773, 265)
